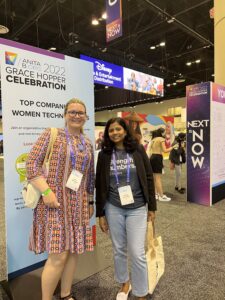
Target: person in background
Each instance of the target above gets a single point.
(61, 219)
(98, 142)
(132, 83)
(134, 125)
(169, 134)
(125, 200)
(177, 158)
(158, 147)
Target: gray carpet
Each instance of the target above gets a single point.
(193, 240)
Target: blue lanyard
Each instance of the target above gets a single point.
(81, 147)
(115, 168)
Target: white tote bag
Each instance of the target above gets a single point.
(30, 194)
(154, 257)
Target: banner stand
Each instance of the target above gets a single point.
(28, 286)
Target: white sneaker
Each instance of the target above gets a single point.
(122, 295)
(164, 198)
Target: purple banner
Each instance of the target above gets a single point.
(106, 73)
(114, 19)
(198, 143)
(218, 93)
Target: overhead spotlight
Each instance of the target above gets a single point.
(52, 49)
(198, 61)
(94, 22)
(179, 80)
(189, 63)
(104, 16)
(171, 20)
(152, 47)
(162, 44)
(3, 29)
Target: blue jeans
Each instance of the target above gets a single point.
(128, 230)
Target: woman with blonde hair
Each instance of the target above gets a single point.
(61, 219)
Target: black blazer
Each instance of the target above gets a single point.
(144, 172)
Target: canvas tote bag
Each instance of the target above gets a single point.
(154, 257)
(30, 194)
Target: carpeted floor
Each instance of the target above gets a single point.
(193, 240)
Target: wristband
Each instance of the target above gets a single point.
(46, 192)
(91, 202)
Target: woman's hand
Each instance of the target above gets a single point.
(103, 224)
(51, 201)
(151, 216)
(91, 210)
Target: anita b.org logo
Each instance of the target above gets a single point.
(10, 58)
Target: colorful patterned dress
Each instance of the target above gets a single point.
(65, 228)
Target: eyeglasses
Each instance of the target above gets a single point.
(74, 113)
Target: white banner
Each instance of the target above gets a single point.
(36, 84)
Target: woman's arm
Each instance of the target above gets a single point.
(98, 185)
(34, 167)
(164, 149)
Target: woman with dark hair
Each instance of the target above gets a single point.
(157, 148)
(125, 200)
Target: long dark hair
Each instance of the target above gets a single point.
(129, 142)
(158, 132)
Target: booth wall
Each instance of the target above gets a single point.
(148, 108)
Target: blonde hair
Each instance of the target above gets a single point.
(71, 101)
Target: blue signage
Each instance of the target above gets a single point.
(106, 73)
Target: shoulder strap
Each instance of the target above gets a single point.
(53, 135)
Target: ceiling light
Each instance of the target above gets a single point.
(94, 22)
(3, 29)
(52, 49)
(162, 44)
(179, 80)
(152, 47)
(188, 63)
(171, 20)
(198, 61)
(104, 16)
(106, 87)
(168, 84)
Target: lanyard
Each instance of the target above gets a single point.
(81, 147)
(115, 168)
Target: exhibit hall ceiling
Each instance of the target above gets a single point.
(169, 39)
